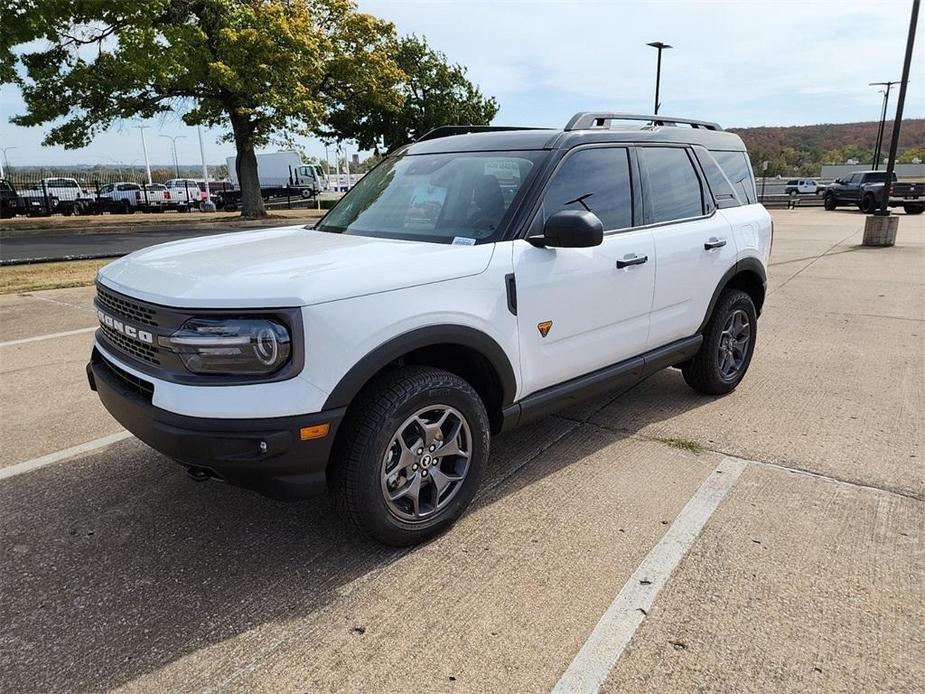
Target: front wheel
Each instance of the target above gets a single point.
(829, 202)
(410, 455)
(914, 209)
(728, 344)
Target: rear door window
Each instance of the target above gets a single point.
(596, 179)
(670, 184)
(736, 167)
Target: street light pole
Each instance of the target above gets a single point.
(144, 147)
(886, 98)
(173, 141)
(658, 69)
(900, 103)
(5, 161)
(207, 205)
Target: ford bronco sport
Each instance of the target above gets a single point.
(475, 279)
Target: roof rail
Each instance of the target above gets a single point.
(449, 130)
(585, 120)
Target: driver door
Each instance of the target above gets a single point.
(582, 309)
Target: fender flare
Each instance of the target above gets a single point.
(367, 367)
(751, 264)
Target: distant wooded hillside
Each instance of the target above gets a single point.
(803, 149)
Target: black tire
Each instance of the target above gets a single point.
(703, 373)
(868, 203)
(793, 193)
(829, 202)
(376, 417)
(914, 209)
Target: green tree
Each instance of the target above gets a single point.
(267, 70)
(435, 92)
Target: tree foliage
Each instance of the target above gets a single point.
(264, 69)
(434, 93)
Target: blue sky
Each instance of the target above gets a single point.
(743, 63)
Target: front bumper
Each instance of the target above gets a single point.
(266, 455)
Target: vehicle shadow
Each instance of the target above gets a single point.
(116, 565)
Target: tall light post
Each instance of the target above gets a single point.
(207, 204)
(900, 104)
(886, 98)
(658, 70)
(173, 142)
(6, 161)
(144, 147)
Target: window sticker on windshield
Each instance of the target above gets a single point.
(502, 169)
(463, 241)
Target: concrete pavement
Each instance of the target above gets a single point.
(118, 572)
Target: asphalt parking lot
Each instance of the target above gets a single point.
(653, 541)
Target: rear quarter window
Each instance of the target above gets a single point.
(737, 169)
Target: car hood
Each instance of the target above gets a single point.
(285, 266)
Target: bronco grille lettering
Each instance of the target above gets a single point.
(128, 330)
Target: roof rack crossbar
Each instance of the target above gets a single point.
(450, 130)
(585, 120)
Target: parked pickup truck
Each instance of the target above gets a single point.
(865, 188)
(64, 195)
(126, 197)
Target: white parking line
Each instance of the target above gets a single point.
(47, 337)
(613, 632)
(37, 463)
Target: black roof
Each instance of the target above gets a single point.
(583, 128)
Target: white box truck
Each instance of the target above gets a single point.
(276, 170)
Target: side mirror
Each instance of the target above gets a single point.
(571, 229)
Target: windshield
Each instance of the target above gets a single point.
(462, 197)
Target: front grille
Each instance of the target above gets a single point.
(139, 350)
(131, 310)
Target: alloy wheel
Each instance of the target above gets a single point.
(426, 463)
(733, 344)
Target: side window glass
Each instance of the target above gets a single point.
(722, 189)
(597, 180)
(671, 186)
(735, 166)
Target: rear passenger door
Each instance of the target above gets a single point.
(581, 309)
(694, 246)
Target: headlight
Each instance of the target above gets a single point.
(233, 346)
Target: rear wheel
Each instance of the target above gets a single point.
(914, 209)
(868, 203)
(829, 202)
(728, 344)
(410, 454)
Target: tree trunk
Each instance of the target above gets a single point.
(245, 165)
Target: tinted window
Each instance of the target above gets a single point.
(597, 180)
(735, 166)
(672, 189)
(722, 189)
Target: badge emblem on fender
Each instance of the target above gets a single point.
(544, 327)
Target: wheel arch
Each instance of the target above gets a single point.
(749, 275)
(469, 353)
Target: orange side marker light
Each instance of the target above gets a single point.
(318, 431)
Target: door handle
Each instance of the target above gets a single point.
(631, 259)
(714, 243)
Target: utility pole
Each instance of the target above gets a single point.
(886, 98)
(900, 103)
(173, 141)
(658, 70)
(144, 147)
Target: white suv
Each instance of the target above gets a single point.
(475, 279)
